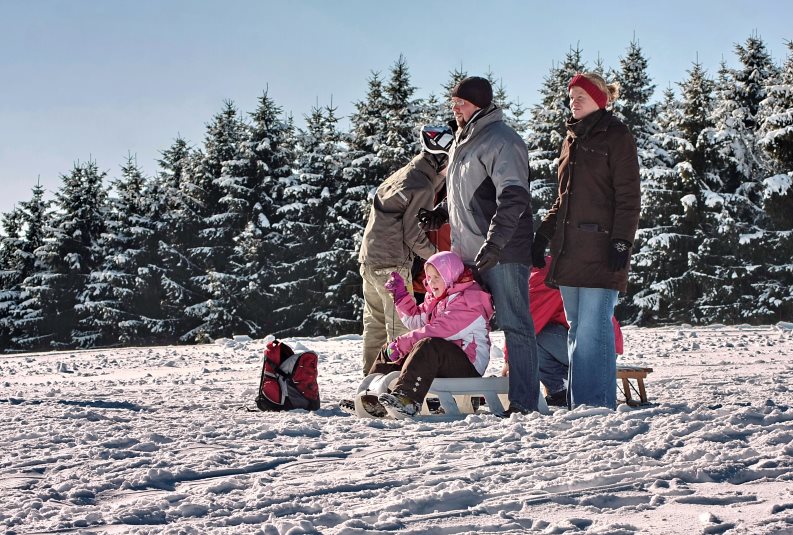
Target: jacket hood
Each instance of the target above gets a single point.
(448, 265)
(478, 121)
(426, 164)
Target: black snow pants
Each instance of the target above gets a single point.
(429, 358)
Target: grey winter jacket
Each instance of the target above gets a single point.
(487, 186)
(392, 237)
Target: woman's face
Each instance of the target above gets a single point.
(581, 104)
(434, 280)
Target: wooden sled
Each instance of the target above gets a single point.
(635, 373)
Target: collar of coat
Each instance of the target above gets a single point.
(597, 121)
(479, 121)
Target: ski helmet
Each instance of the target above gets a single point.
(436, 138)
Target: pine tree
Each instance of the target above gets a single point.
(122, 300)
(633, 105)
(775, 116)
(307, 229)
(756, 73)
(662, 291)
(772, 289)
(71, 250)
(30, 218)
(177, 222)
(714, 268)
(339, 311)
(401, 118)
(219, 216)
(513, 111)
(11, 274)
(241, 294)
(697, 98)
(367, 137)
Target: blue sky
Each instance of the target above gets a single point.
(102, 78)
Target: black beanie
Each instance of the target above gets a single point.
(474, 89)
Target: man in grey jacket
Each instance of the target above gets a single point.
(488, 206)
(392, 239)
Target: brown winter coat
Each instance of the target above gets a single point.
(598, 201)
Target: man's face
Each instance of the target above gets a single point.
(463, 110)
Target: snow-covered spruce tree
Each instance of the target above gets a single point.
(307, 226)
(661, 292)
(633, 106)
(775, 117)
(401, 119)
(367, 137)
(123, 296)
(178, 223)
(546, 127)
(364, 172)
(217, 216)
(46, 317)
(340, 310)
(24, 234)
(712, 267)
(740, 167)
(10, 271)
(756, 73)
(241, 293)
(773, 286)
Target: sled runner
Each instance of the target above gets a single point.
(454, 394)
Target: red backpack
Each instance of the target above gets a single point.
(289, 379)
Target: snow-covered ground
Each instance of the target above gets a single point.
(155, 440)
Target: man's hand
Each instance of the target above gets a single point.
(538, 250)
(432, 219)
(488, 256)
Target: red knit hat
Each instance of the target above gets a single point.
(600, 98)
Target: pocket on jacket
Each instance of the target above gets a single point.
(591, 246)
(592, 227)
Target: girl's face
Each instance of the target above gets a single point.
(434, 280)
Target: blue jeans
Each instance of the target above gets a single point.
(509, 286)
(552, 356)
(590, 346)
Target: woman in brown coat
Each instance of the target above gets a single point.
(591, 228)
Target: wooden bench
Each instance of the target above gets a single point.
(638, 374)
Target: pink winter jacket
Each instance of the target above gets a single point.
(461, 316)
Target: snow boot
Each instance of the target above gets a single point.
(399, 405)
(368, 402)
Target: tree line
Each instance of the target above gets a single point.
(256, 230)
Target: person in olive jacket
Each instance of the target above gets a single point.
(591, 228)
(392, 238)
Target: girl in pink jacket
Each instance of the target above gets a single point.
(449, 334)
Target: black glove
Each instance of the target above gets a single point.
(432, 219)
(538, 250)
(619, 251)
(488, 256)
